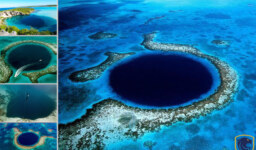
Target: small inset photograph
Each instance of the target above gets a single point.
(30, 59)
(37, 136)
(28, 103)
(28, 17)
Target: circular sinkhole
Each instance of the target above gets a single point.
(29, 56)
(163, 80)
(33, 21)
(28, 139)
(38, 22)
(30, 103)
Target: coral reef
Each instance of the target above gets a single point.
(95, 72)
(41, 141)
(102, 35)
(6, 72)
(220, 42)
(110, 118)
(34, 76)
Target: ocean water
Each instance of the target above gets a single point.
(43, 18)
(161, 80)
(5, 41)
(194, 22)
(7, 134)
(6, 8)
(38, 56)
(49, 78)
(31, 102)
(28, 139)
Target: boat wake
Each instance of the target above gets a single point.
(18, 72)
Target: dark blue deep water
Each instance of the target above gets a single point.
(37, 105)
(28, 139)
(42, 19)
(161, 80)
(32, 20)
(38, 56)
(73, 16)
(192, 22)
(1, 9)
(25, 139)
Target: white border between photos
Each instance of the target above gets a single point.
(57, 81)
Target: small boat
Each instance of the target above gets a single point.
(27, 96)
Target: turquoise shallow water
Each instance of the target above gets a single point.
(43, 18)
(5, 41)
(194, 22)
